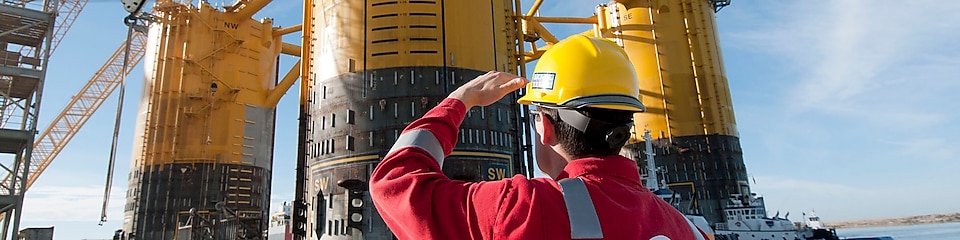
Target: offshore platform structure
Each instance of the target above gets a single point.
(378, 65)
(203, 147)
(374, 67)
(675, 48)
(30, 34)
(203, 152)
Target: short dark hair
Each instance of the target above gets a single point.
(593, 144)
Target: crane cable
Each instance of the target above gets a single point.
(130, 21)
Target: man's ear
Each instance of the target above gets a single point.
(548, 137)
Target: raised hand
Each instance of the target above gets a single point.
(488, 88)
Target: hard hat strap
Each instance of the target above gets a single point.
(614, 134)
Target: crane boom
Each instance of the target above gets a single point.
(68, 11)
(56, 136)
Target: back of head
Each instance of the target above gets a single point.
(589, 88)
(604, 135)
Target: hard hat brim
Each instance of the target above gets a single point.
(606, 101)
(619, 107)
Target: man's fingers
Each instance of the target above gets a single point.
(514, 84)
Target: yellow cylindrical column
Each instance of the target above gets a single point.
(705, 47)
(632, 26)
(673, 45)
(380, 64)
(204, 143)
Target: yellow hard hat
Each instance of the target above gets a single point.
(583, 71)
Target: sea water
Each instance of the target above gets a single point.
(949, 231)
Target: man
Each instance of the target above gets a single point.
(585, 92)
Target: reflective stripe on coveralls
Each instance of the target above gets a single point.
(584, 223)
(422, 139)
(696, 232)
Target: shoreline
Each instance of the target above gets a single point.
(900, 221)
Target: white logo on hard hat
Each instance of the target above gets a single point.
(543, 80)
(660, 237)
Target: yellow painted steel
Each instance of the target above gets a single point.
(506, 48)
(709, 69)
(674, 48)
(466, 47)
(210, 78)
(55, 137)
(339, 26)
(672, 45)
(306, 50)
(586, 20)
(274, 97)
(291, 49)
(288, 30)
(520, 55)
(541, 30)
(344, 160)
(481, 154)
(245, 9)
(632, 26)
(410, 34)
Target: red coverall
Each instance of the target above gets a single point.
(417, 201)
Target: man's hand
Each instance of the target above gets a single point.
(487, 88)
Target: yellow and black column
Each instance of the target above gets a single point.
(203, 147)
(377, 65)
(675, 49)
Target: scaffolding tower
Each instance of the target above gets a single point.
(25, 40)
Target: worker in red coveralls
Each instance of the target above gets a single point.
(584, 91)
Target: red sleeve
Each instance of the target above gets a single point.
(417, 201)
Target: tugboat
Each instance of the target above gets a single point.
(746, 219)
(814, 229)
(659, 188)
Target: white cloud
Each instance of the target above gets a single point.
(865, 110)
(888, 67)
(277, 201)
(936, 149)
(808, 187)
(71, 203)
(865, 200)
(844, 50)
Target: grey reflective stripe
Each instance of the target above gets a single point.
(696, 231)
(422, 139)
(584, 223)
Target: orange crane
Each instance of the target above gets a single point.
(52, 140)
(55, 137)
(67, 12)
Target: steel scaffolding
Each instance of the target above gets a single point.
(25, 40)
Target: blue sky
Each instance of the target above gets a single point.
(846, 107)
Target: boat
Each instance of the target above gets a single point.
(660, 188)
(280, 224)
(746, 219)
(814, 229)
(745, 215)
(669, 196)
